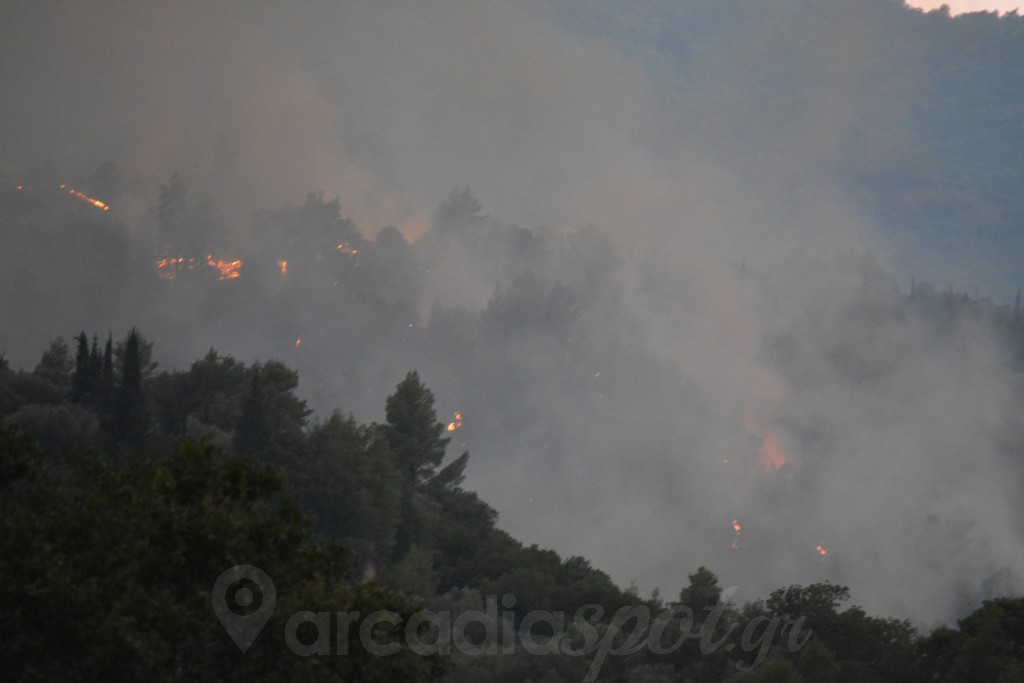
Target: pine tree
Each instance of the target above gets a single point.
(702, 594)
(413, 431)
(460, 213)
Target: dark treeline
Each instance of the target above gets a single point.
(126, 491)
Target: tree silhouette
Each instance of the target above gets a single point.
(130, 415)
(253, 433)
(82, 382)
(413, 432)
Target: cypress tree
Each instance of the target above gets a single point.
(108, 360)
(95, 368)
(131, 410)
(80, 381)
(107, 390)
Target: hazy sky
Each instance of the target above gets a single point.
(962, 6)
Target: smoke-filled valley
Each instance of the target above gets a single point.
(694, 283)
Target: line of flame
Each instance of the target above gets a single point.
(81, 195)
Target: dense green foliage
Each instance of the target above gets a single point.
(114, 534)
(107, 570)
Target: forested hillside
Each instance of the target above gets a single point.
(127, 490)
(696, 323)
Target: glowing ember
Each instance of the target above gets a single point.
(298, 342)
(452, 426)
(21, 187)
(283, 265)
(168, 268)
(822, 550)
(229, 270)
(737, 528)
(84, 197)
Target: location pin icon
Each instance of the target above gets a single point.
(244, 599)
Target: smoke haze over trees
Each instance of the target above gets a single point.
(112, 532)
(658, 258)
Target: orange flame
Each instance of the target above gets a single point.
(347, 248)
(298, 342)
(452, 426)
(737, 528)
(283, 265)
(168, 268)
(81, 195)
(229, 270)
(822, 550)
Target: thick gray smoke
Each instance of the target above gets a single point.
(735, 352)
